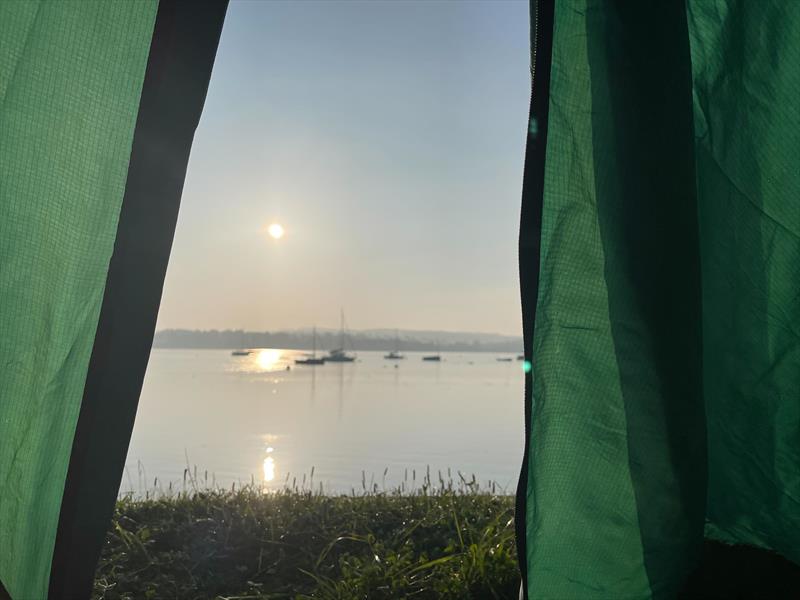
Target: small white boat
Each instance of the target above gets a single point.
(395, 354)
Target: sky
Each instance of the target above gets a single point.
(387, 138)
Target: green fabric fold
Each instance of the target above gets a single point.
(71, 76)
(666, 363)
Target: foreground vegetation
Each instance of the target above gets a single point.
(448, 542)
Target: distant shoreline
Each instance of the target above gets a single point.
(417, 341)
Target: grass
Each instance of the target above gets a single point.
(440, 541)
(433, 542)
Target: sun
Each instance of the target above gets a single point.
(275, 231)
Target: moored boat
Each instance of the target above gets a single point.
(338, 355)
(311, 359)
(395, 354)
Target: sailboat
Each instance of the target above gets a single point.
(395, 354)
(311, 360)
(338, 354)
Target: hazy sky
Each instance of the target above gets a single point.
(388, 139)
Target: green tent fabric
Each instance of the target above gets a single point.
(659, 257)
(662, 180)
(70, 80)
(98, 104)
(747, 126)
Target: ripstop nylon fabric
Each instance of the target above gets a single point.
(666, 359)
(70, 80)
(617, 414)
(746, 64)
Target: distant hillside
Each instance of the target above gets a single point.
(377, 339)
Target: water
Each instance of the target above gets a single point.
(243, 419)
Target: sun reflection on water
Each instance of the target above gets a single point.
(269, 465)
(268, 359)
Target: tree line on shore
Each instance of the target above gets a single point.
(327, 339)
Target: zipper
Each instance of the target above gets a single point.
(529, 257)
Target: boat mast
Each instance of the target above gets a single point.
(341, 329)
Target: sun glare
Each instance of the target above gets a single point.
(267, 359)
(269, 465)
(275, 231)
(269, 469)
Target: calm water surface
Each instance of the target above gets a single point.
(237, 418)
